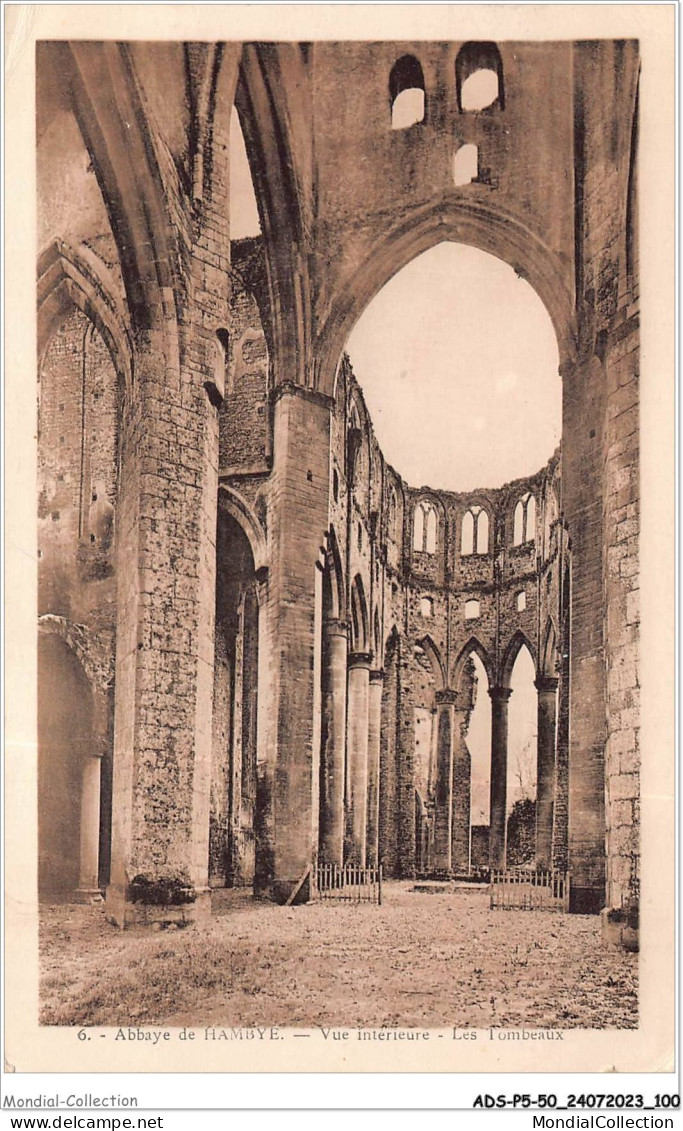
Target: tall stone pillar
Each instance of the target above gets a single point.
(374, 726)
(500, 697)
(265, 739)
(561, 790)
(358, 704)
(443, 812)
(462, 785)
(333, 741)
(166, 550)
(288, 779)
(583, 463)
(88, 877)
(545, 771)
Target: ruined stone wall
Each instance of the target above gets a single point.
(414, 167)
(245, 423)
(140, 134)
(77, 489)
(608, 298)
(609, 284)
(425, 593)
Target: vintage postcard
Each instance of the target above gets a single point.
(339, 593)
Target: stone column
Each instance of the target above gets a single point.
(462, 783)
(289, 779)
(561, 789)
(374, 726)
(166, 562)
(236, 755)
(499, 764)
(334, 660)
(583, 467)
(443, 812)
(545, 772)
(357, 755)
(265, 740)
(88, 879)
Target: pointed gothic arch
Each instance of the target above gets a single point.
(519, 640)
(234, 504)
(473, 645)
(481, 224)
(111, 114)
(438, 668)
(69, 278)
(549, 653)
(359, 616)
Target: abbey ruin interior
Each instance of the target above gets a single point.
(258, 643)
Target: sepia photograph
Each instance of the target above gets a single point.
(337, 504)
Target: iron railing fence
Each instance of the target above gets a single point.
(526, 890)
(348, 883)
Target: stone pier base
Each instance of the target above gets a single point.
(619, 927)
(124, 911)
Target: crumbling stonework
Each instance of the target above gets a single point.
(292, 623)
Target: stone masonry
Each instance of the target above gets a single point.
(264, 632)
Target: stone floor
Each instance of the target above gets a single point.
(421, 959)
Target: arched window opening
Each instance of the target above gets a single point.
(360, 537)
(467, 534)
(479, 78)
(482, 532)
(359, 617)
(524, 527)
(453, 286)
(426, 607)
(465, 165)
(216, 389)
(407, 93)
(418, 527)
(479, 90)
(472, 609)
(354, 442)
(425, 528)
(430, 540)
(335, 485)
(521, 601)
(392, 510)
(531, 519)
(474, 537)
(355, 620)
(518, 531)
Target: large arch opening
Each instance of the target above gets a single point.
(456, 360)
(492, 379)
(83, 378)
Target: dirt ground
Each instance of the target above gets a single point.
(421, 959)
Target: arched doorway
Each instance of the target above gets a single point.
(472, 681)
(522, 762)
(233, 820)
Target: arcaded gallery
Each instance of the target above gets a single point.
(303, 601)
